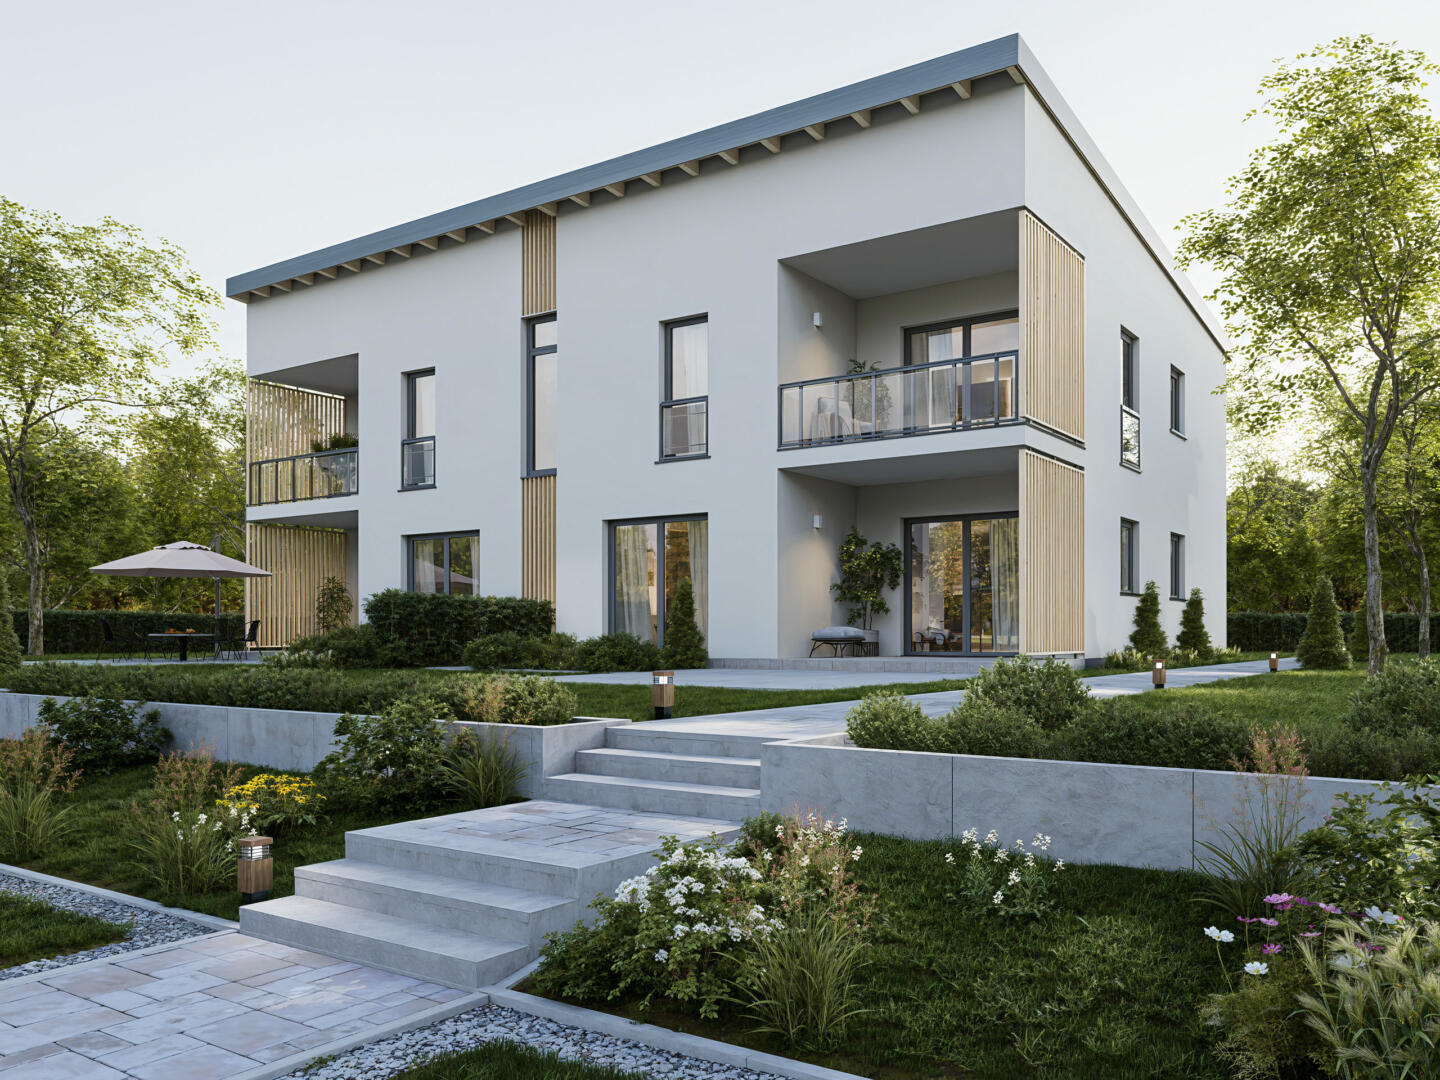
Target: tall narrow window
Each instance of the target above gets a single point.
(542, 355)
(684, 413)
(1177, 401)
(1177, 567)
(417, 449)
(1129, 400)
(444, 564)
(649, 560)
(1129, 535)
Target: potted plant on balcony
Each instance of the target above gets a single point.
(336, 467)
(866, 571)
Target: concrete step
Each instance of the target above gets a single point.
(686, 768)
(516, 870)
(654, 740)
(434, 954)
(436, 900)
(656, 796)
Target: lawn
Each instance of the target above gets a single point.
(509, 1061)
(33, 930)
(1107, 984)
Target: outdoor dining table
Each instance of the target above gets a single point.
(184, 638)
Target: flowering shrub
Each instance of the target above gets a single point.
(991, 878)
(189, 851)
(392, 758)
(276, 801)
(810, 866)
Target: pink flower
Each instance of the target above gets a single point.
(1271, 949)
(1279, 898)
(1269, 922)
(1243, 919)
(1312, 933)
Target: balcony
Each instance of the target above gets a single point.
(923, 399)
(326, 474)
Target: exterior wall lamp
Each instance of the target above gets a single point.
(1157, 676)
(1274, 662)
(662, 694)
(255, 869)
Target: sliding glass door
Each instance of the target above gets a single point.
(649, 560)
(964, 585)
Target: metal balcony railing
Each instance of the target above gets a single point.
(323, 475)
(949, 395)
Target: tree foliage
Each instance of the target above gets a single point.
(867, 571)
(1193, 636)
(684, 646)
(1322, 646)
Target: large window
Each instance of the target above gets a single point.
(417, 449)
(1129, 400)
(1177, 567)
(444, 564)
(964, 582)
(542, 356)
(649, 560)
(685, 410)
(1177, 401)
(971, 393)
(1129, 539)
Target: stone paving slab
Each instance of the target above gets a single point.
(194, 1011)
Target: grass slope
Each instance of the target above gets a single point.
(31, 929)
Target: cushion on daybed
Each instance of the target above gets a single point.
(839, 633)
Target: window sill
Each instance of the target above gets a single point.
(417, 487)
(1179, 434)
(683, 457)
(1179, 599)
(1125, 593)
(1128, 465)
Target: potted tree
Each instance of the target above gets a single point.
(866, 571)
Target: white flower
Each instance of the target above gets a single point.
(200, 819)
(1255, 967)
(1213, 933)
(997, 897)
(661, 956)
(949, 858)
(680, 931)
(1389, 918)
(1014, 878)
(1059, 865)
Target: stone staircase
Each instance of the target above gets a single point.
(466, 899)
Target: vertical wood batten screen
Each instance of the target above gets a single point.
(1052, 329)
(282, 421)
(299, 559)
(1052, 556)
(537, 285)
(537, 557)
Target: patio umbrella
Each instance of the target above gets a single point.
(182, 560)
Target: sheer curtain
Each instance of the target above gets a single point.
(1005, 582)
(700, 574)
(633, 545)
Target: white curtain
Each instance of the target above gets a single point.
(700, 574)
(633, 588)
(1005, 582)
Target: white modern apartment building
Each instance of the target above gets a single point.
(921, 305)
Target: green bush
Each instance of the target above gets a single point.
(508, 649)
(982, 727)
(394, 759)
(36, 773)
(617, 652)
(1336, 750)
(434, 628)
(1186, 735)
(80, 631)
(1193, 637)
(10, 649)
(518, 699)
(1401, 696)
(886, 720)
(1271, 631)
(333, 605)
(1148, 638)
(1260, 1031)
(104, 732)
(1049, 692)
(1358, 641)
(351, 647)
(1322, 645)
(482, 771)
(684, 646)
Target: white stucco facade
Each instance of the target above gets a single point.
(910, 220)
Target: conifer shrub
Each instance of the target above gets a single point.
(1148, 639)
(10, 651)
(1193, 636)
(684, 647)
(1322, 646)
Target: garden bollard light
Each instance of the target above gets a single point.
(1158, 675)
(255, 870)
(1274, 662)
(662, 694)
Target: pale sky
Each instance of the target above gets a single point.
(251, 133)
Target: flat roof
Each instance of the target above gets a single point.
(904, 86)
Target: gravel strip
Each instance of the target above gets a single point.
(489, 1023)
(149, 927)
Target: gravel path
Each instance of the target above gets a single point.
(149, 927)
(489, 1023)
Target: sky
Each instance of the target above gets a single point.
(254, 133)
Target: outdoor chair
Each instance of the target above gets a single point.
(236, 646)
(112, 644)
(163, 647)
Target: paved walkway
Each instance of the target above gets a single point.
(206, 1009)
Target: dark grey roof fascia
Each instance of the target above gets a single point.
(971, 63)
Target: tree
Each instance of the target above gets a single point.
(684, 646)
(866, 571)
(1322, 645)
(1329, 257)
(1148, 639)
(1272, 555)
(1193, 636)
(87, 313)
(333, 605)
(9, 640)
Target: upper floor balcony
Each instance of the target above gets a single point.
(321, 474)
(301, 438)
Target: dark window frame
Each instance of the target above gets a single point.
(969, 571)
(667, 386)
(967, 321)
(1177, 401)
(659, 523)
(446, 537)
(1129, 558)
(1177, 566)
(531, 352)
(411, 438)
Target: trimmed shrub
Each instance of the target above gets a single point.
(351, 647)
(684, 646)
(983, 727)
(433, 628)
(69, 631)
(886, 720)
(1264, 631)
(617, 652)
(1148, 638)
(1193, 636)
(1186, 735)
(1336, 750)
(1322, 645)
(509, 649)
(518, 699)
(1401, 696)
(395, 758)
(104, 732)
(1048, 692)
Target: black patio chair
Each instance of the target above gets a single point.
(112, 644)
(252, 637)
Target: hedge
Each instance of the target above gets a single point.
(434, 628)
(69, 631)
(1266, 631)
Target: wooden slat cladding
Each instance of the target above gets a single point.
(537, 284)
(282, 421)
(1052, 329)
(537, 553)
(299, 559)
(1052, 556)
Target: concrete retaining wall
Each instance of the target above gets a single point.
(547, 750)
(1126, 814)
